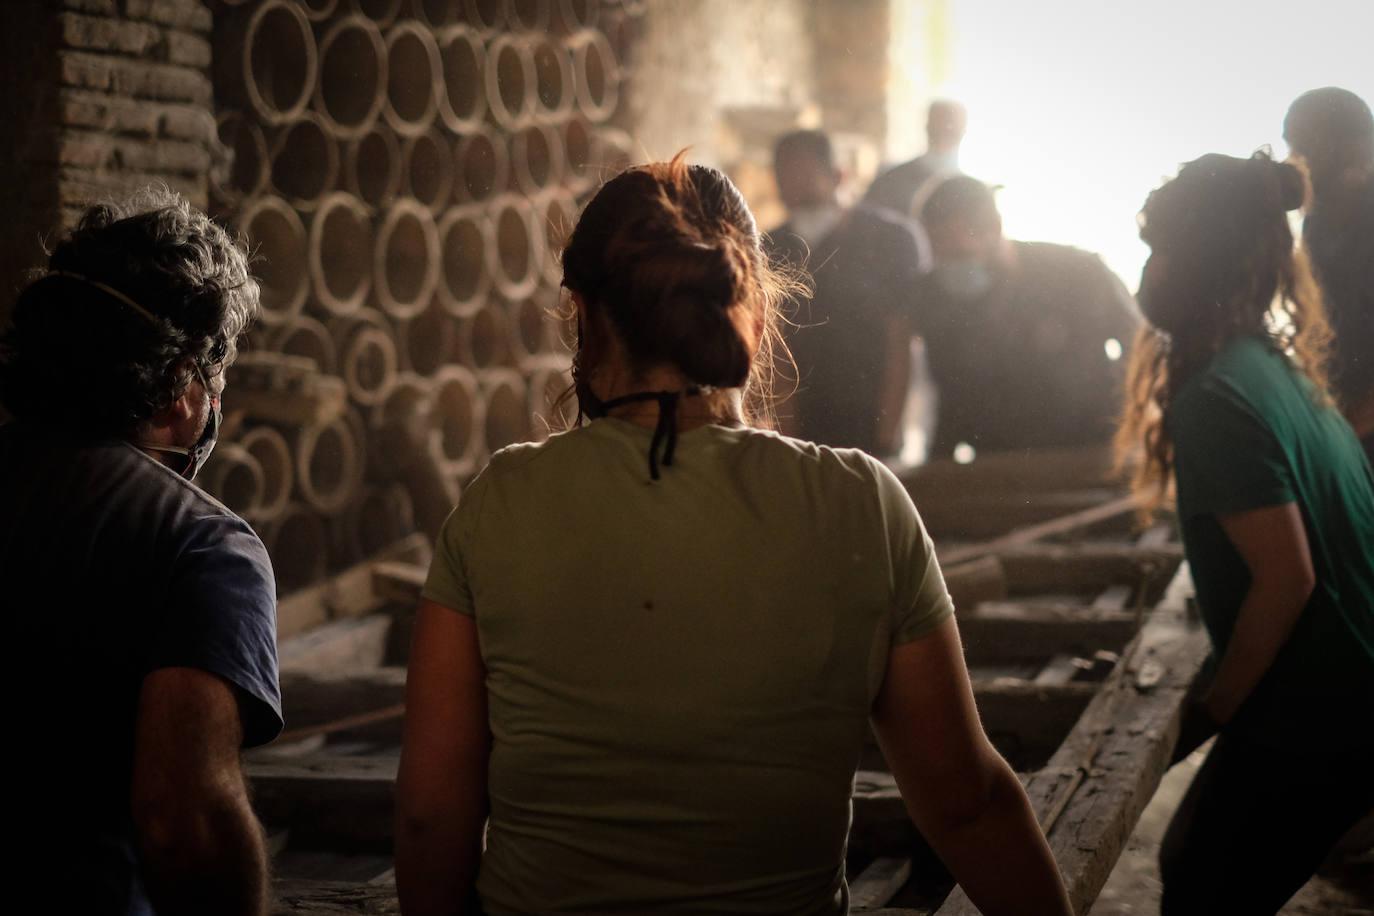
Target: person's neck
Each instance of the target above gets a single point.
(149, 437)
(706, 407)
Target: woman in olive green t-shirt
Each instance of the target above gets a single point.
(649, 647)
(1276, 508)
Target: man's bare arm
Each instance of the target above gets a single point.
(200, 846)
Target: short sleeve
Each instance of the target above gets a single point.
(447, 582)
(221, 617)
(1226, 459)
(920, 601)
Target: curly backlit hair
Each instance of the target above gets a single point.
(670, 254)
(1230, 268)
(80, 360)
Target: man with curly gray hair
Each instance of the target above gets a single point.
(143, 612)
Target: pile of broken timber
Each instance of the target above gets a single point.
(1076, 634)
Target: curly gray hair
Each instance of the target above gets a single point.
(135, 299)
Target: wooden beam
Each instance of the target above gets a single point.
(315, 698)
(1000, 632)
(398, 581)
(351, 593)
(350, 643)
(969, 584)
(302, 897)
(878, 883)
(328, 801)
(1063, 524)
(1094, 787)
(1025, 721)
(1088, 569)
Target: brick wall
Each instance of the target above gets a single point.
(101, 97)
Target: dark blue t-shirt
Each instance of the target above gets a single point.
(112, 567)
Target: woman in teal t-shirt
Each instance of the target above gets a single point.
(1227, 395)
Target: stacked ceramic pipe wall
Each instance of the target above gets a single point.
(405, 170)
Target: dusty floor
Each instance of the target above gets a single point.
(1133, 888)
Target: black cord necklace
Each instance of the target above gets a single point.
(665, 432)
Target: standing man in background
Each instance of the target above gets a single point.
(1332, 130)
(142, 612)
(896, 188)
(852, 341)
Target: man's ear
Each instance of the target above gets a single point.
(182, 408)
(176, 412)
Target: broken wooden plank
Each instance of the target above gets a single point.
(306, 897)
(974, 582)
(1062, 525)
(355, 643)
(1022, 471)
(398, 581)
(878, 883)
(1061, 669)
(1095, 786)
(312, 698)
(348, 594)
(330, 801)
(1025, 721)
(968, 518)
(1089, 568)
(320, 702)
(328, 865)
(1006, 632)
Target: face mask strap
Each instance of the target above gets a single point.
(665, 431)
(109, 291)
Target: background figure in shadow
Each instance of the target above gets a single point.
(1024, 339)
(897, 189)
(853, 339)
(1332, 130)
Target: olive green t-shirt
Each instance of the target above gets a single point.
(1248, 434)
(679, 672)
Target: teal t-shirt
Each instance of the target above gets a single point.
(1248, 434)
(679, 672)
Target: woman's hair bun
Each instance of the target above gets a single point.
(708, 272)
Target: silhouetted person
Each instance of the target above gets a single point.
(141, 612)
(1333, 131)
(896, 188)
(1275, 504)
(852, 340)
(1024, 339)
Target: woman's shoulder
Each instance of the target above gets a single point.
(808, 464)
(1241, 370)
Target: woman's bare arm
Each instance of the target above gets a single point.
(962, 795)
(1273, 543)
(441, 789)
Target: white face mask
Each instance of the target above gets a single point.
(813, 224)
(965, 280)
(943, 162)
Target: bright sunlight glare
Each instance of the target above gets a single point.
(1081, 107)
